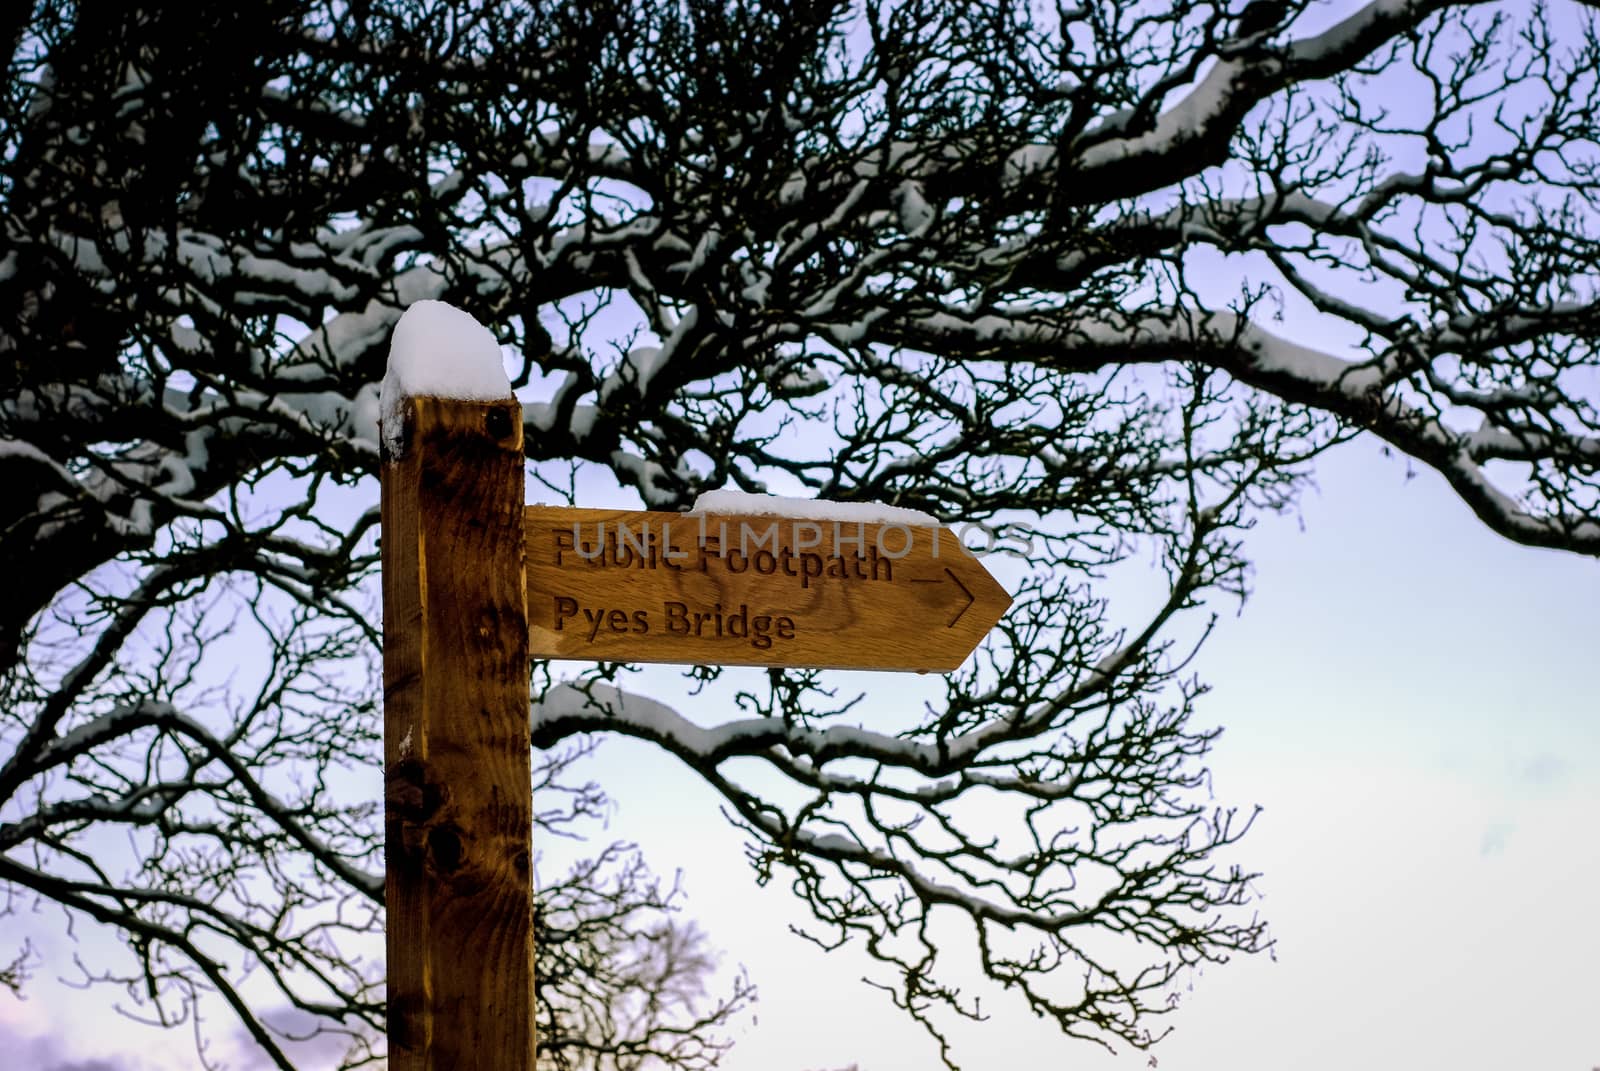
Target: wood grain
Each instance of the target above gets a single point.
(746, 590)
(458, 808)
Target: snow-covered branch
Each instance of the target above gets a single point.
(1096, 286)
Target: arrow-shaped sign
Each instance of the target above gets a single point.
(740, 589)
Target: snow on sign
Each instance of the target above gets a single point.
(823, 588)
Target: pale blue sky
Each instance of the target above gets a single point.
(1413, 700)
(1410, 697)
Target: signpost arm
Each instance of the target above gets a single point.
(458, 807)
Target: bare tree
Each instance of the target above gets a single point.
(619, 983)
(1115, 272)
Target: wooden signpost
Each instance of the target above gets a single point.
(475, 584)
(753, 590)
(458, 805)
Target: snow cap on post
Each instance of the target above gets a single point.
(441, 352)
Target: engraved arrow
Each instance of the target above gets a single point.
(964, 606)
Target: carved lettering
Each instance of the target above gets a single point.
(594, 620)
(805, 556)
(565, 607)
(751, 590)
(758, 629)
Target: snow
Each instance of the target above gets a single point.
(1029, 160)
(439, 351)
(1186, 121)
(568, 700)
(648, 478)
(355, 332)
(645, 361)
(18, 448)
(1347, 34)
(811, 509)
(366, 412)
(916, 214)
(834, 842)
(542, 417)
(639, 366)
(593, 706)
(802, 381)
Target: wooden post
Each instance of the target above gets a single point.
(458, 807)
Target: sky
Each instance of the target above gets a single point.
(1410, 698)
(1413, 701)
